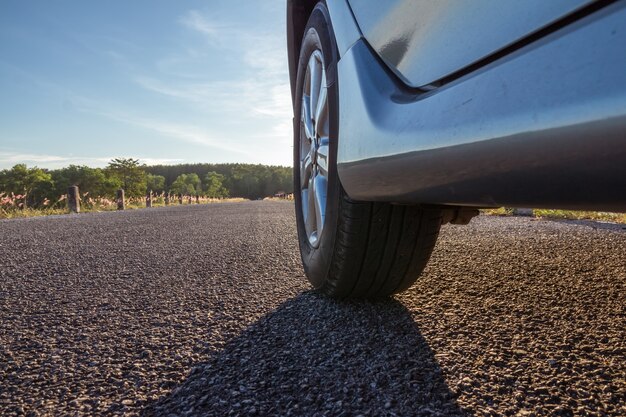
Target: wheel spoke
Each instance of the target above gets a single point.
(306, 168)
(305, 205)
(321, 110)
(315, 68)
(307, 120)
(322, 156)
(320, 202)
(311, 220)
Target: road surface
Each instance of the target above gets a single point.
(204, 310)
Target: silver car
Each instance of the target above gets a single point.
(413, 113)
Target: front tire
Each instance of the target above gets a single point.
(348, 248)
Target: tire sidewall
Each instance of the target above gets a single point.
(318, 35)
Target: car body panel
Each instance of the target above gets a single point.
(543, 127)
(423, 41)
(345, 27)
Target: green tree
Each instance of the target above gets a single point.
(131, 175)
(245, 181)
(213, 185)
(187, 184)
(89, 180)
(33, 183)
(155, 183)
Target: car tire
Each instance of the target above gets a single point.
(349, 249)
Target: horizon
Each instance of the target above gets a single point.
(184, 83)
(104, 166)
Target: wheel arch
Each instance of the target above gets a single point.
(298, 12)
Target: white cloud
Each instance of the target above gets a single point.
(266, 54)
(17, 158)
(186, 133)
(263, 51)
(248, 97)
(9, 159)
(195, 21)
(206, 94)
(159, 161)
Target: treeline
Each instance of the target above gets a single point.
(240, 180)
(37, 187)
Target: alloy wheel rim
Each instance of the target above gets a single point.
(314, 147)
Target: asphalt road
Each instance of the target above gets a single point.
(204, 310)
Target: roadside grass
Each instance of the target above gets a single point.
(29, 212)
(564, 214)
(100, 205)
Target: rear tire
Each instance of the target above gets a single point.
(349, 248)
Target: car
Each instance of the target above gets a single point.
(410, 114)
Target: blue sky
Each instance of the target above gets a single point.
(164, 81)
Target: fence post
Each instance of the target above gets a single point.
(73, 199)
(120, 200)
(149, 199)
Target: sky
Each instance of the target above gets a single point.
(164, 81)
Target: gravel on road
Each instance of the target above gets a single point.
(204, 310)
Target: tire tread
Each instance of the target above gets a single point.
(380, 248)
